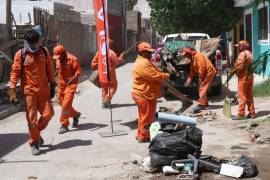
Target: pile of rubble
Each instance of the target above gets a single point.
(259, 132)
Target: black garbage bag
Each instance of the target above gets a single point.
(169, 146)
(250, 169)
(158, 160)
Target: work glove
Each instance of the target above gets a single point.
(187, 83)
(52, 89)
(231, 70)
(12, 95)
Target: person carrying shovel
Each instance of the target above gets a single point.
(245, 81)
(68, 69)
(206, 71)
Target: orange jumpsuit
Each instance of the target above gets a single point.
(114, 61)
(36, 72)
(245, 83)
(145, 92)
(66, 70)
(206, 71)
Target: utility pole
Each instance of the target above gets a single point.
(8, 19)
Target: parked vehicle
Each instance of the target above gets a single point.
(178, 66)
(185, 37)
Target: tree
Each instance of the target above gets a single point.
(209, 16)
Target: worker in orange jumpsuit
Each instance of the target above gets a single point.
(68, 68)
(146, 89)
(109, 89)
(33, 65)
(245, 81)
(205, 70)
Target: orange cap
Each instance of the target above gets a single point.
(187, 50)
(58, 51)
(144, 46)
(242, 43)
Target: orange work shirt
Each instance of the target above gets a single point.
(147, 79)
(243, 62)
(114, 61)
(201, 65)
(36, 72)
(68, 68)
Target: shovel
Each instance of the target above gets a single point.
(227, 103)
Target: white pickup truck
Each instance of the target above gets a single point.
(185, 37)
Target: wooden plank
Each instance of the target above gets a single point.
(176, 93)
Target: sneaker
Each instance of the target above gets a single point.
(63, 129)
(35, 150)
(106, 104)
(76, 120)
(238, 117)
(41, 141)
(251, 116)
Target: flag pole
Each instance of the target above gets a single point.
(107, 60)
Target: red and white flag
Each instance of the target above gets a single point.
(100, 8)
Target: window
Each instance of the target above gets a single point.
(248, 23)
(263, 24)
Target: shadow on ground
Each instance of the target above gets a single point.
(9, 142)
(67, 145)
(131, 124)
(262, 113)
(89, 126)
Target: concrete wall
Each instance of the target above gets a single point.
(257, 47)
(78, 38)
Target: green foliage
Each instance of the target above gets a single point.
(262, 89)
(257, 2)
(209, 16)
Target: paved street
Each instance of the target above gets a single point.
(83, 154)
(79, 153)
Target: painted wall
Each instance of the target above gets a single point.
(257, 47)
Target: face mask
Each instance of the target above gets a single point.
(33, 48)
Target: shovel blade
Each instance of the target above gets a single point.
(227, 108)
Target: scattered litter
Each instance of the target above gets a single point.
(168, 170)
(260, 140)
(146, 165)
(231, 170)
(154, 130)
(185, 177)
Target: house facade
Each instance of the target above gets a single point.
(256, 20)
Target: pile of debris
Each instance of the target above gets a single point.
(175, 149)
(259, 132)
(177, 64)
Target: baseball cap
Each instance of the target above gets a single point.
(144, 46)
(242, 43)
(57, 51)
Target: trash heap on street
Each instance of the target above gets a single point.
(175, 149)
(178, 65)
